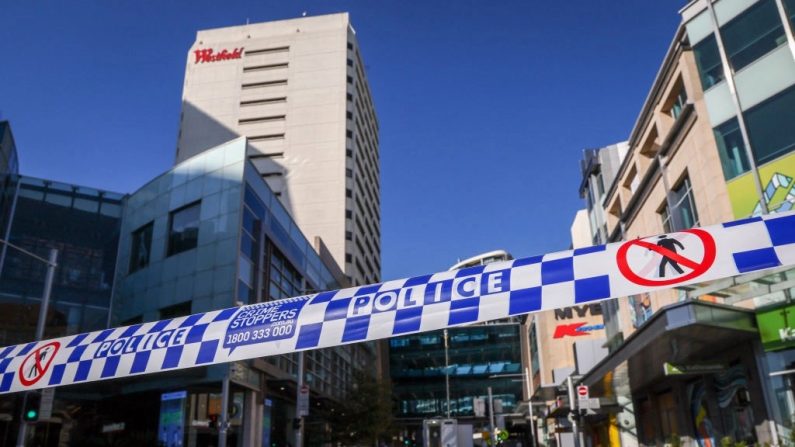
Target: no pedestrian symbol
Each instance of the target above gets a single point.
(668, 259)
(36, 363)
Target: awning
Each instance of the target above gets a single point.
(689, 331)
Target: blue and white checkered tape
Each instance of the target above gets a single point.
(405, 306)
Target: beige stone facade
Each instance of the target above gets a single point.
(666, 152)
(298, 91)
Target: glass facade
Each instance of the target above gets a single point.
(707, 55)
(752, 34)
(183, 232)
(770, 126)
(83, 225)
(211, 234)
(479, 357)
(731, 149)
(769, 131)
(141, 247)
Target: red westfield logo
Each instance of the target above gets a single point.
(209, 55)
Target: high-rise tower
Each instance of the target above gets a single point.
(297, 90)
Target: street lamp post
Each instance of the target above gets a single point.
(52, 262)
(492, 425)
(447, 372)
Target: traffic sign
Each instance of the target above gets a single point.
(303, 400)
(664, 264)
(582, 392)
(45, 406)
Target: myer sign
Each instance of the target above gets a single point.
(777, 328)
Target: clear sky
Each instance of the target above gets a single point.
(485, 106)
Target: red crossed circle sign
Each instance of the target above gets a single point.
(697, 268)
(37, 363)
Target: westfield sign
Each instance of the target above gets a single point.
(209, 55)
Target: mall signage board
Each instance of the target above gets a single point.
(777, 327)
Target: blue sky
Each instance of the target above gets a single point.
(485, 106)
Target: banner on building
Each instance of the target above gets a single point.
(393, 308)
(778, 184)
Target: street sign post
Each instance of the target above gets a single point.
(583, 392)
(45, 405)
(303, 401)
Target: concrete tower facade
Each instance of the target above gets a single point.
(297, 90)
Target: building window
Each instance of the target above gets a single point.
(731, 149)
(679, 103)
(710, 69)
(349, 133)
(349, 115)
(350, 46)
(183, 228)
(770, 126)
(789, 6)
(349, 153)
(348, 257)
(600, 186)
(348, 193)
(752, 34)
(284, 280)
(348, 214)
(350, 80)
(685, 214)
(176, 310)
(348, 236)
(131, 321)
(141, 247)
(348, 172)
(349, 97)
(350, 62)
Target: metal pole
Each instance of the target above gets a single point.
(299, 432)
(491, 419)
(45, 303)
(447, 372)
(223, 423)
(530, 406)
(574, 416)
(45, 299)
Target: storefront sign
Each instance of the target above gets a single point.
(679, 369)
(423, 303)
(568, 313)
(576, 329)
(777, 328)
(209, 55)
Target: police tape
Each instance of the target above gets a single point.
(394, 308)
